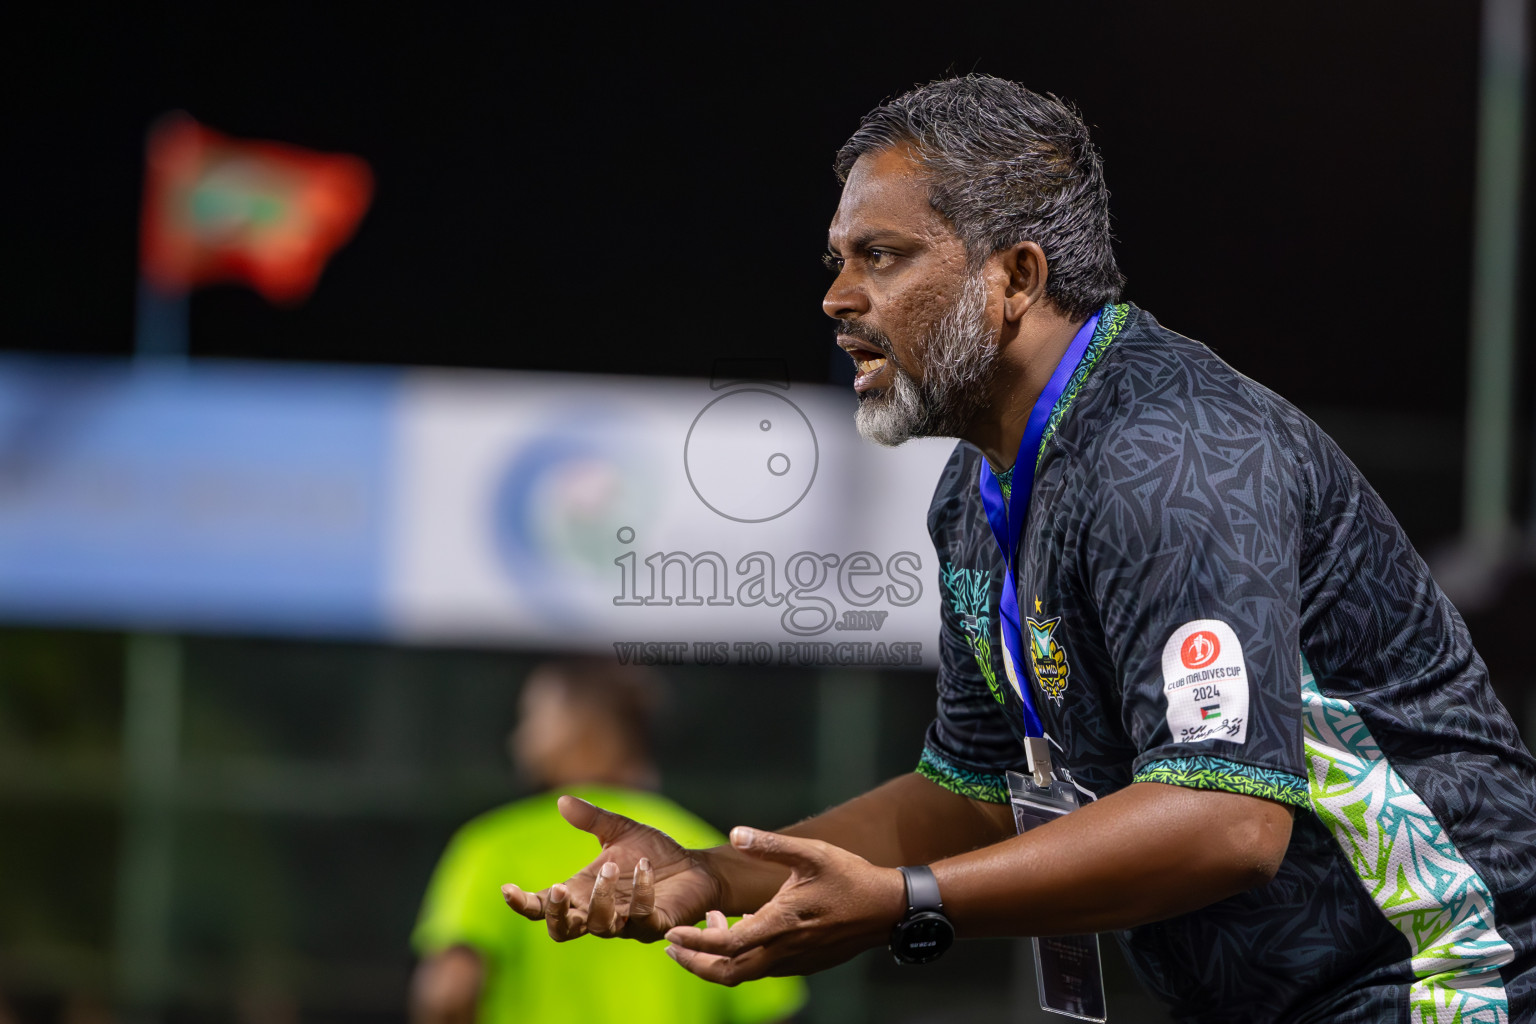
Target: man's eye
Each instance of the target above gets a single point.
(879, 259)
(832, 263)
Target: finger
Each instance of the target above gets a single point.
(605, 825)
(601, 911)
(723, 970)
(804, 855)
(716, 919)
(643, 899)
(529, 904)
(557, 914)
(735, 940)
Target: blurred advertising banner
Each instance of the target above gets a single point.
(739, 521)
(213, 497)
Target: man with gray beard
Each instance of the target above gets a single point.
(957, 369)
(1169, 599)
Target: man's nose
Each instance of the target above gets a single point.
(845, 298)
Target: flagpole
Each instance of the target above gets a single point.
(161, 323)
(151, 740)
(198, 226)
(1487, 524)
(146, 877)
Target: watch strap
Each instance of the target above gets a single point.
(922, 889)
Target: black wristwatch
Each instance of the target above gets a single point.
(924, 933)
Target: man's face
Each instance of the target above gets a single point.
(918, 327)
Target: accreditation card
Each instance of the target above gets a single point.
(1067, 967)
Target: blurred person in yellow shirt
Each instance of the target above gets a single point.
(583, 729)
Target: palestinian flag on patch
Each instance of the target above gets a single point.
(1210, 711)
(263, 213)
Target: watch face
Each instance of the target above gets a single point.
(922, 937)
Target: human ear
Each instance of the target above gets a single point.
(1027, 274)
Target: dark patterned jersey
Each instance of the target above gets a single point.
(1214, 597)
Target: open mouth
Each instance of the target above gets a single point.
(868, 362)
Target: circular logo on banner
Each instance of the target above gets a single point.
(555, 509)
(1200, 649)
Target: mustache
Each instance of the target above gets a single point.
(867, 333)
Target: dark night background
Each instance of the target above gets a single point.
(643, 191)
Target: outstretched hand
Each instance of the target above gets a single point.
(834, 906)
(641, 885)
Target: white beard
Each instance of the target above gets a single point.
(959, 361)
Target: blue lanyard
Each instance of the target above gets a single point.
(1007, 518)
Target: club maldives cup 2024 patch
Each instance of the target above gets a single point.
(1206, 683)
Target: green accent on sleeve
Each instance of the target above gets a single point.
(985, 786)
(1219, 773)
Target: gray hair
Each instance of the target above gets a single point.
(1007, 165)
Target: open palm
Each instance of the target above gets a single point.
(639, 886)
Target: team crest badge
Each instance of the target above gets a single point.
(1048, 658)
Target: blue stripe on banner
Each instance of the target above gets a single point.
(205, 496)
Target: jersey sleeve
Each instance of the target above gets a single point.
(461, 906)
(969, 746)
(1191, 556)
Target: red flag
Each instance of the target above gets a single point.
(224, 209)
